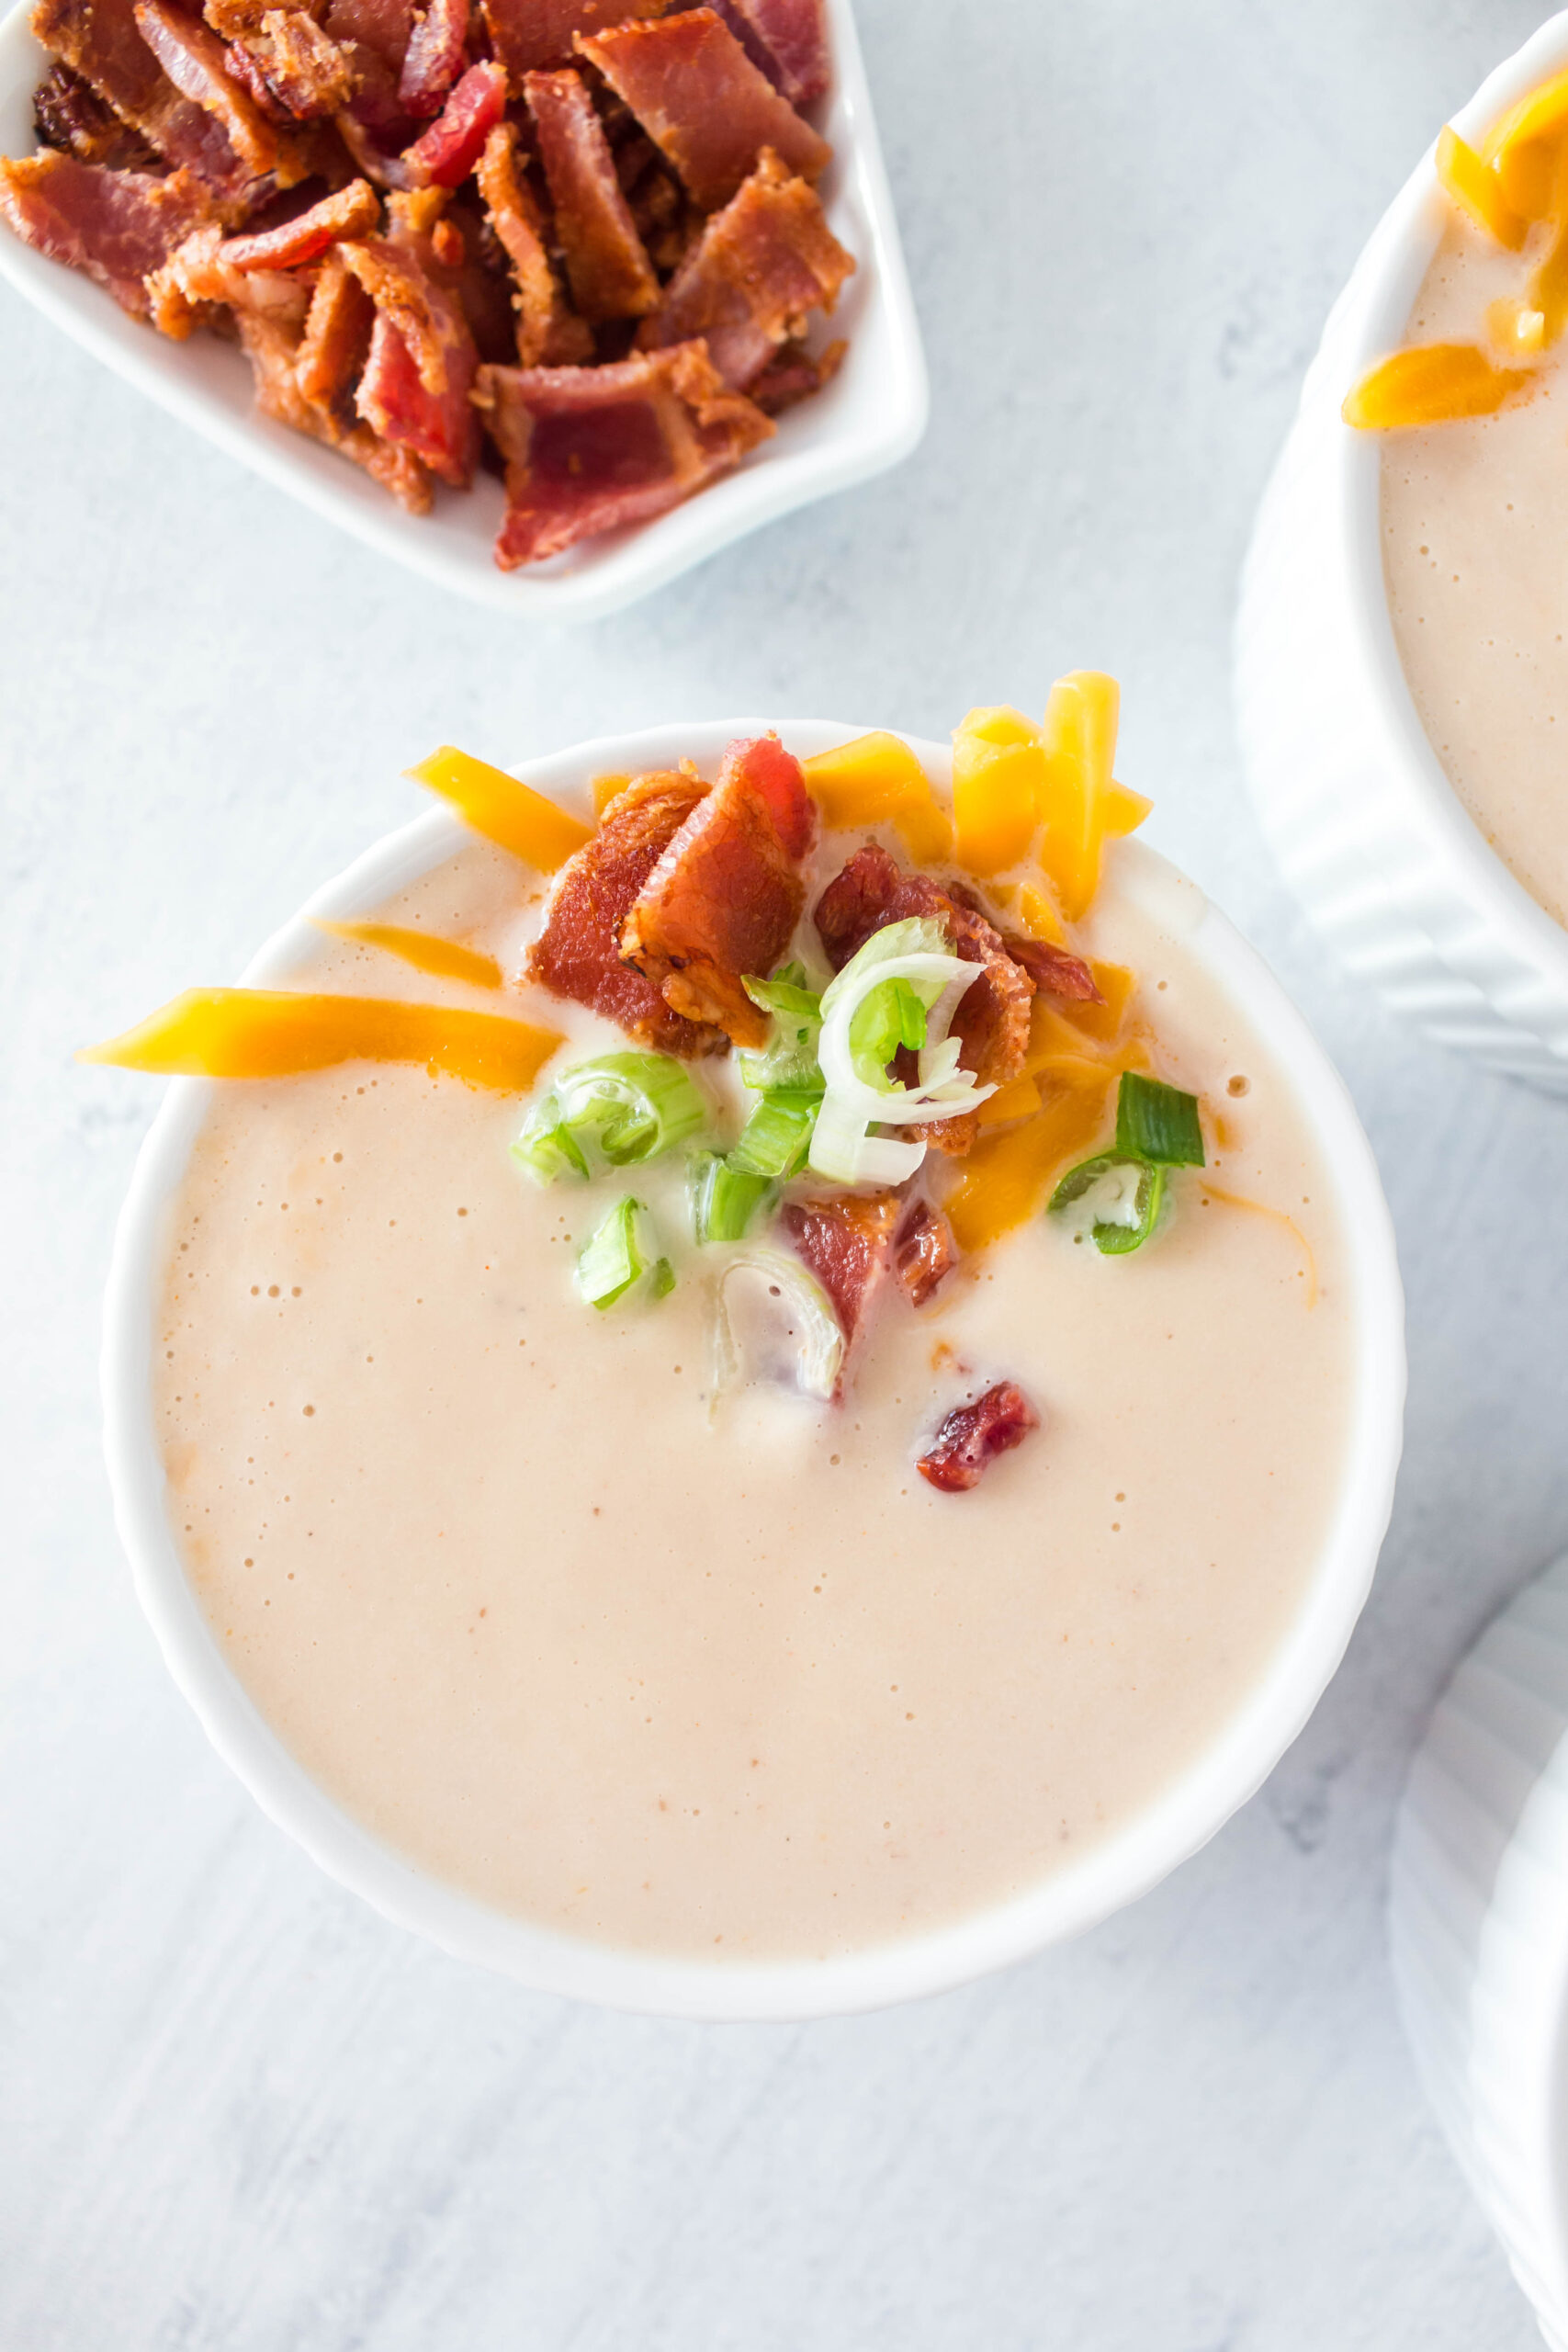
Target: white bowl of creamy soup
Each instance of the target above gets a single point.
(758, 1371)
(1402, 653)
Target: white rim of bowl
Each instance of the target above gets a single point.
(1121, 1868)
(1378, 302)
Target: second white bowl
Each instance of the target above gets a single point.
(1352, 795)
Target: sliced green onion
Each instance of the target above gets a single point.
(894, 1014)
(1114, 1198)
(624, 1108)
(1158, 1122)
(548, 1152)
(789, 1058)
(776, 1138)
(723, 1199)
(610, 1262)
(775, 1321)
(663, 1281)
(859, 1093)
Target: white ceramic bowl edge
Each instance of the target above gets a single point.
(1349, 792)
(1125, 1867)
(1478, 1925)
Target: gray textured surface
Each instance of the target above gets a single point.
(237, 2110)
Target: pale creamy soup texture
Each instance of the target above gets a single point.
(723, 1674)
(1475, 555)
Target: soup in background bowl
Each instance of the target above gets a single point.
(599, 1629)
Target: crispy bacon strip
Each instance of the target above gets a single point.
(924, 1252)
(759, 267)
(848, 1243)
(788, 38)
(69, 114)
(992, 1020)
(272, 348)
(193, 56)
(578, 954)
(336, 342)
(99, 40)
(589, 450)
(794, 374)
(415, 388)
(527, 35)
(349, 213)
(198, 275)
(444, 156)
(1054, 971)
(973, 1435)
(384, 26)
(435, 56)
(290, 68)
(725, 895)
(700, 98)
(611, 275)
(549, 332)
(115, 226)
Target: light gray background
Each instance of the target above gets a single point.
(236, 2109)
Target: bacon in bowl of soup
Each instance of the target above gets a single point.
(759, 1372)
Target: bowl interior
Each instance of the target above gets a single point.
(1126, 1864)
(867, 419)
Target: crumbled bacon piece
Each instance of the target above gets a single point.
(272, 348)
(99, 40)
(794, 374)
(384, 26)
(788, 38)
(611, 275)
(548, 333)
(199, 274)
(992, 1018)
(578, 954)
(422, 366)
(290, 67)
(444, 156)
(973, 1435)
(115, 226)
(435, 56)
(69, 114)
(589, 450)
(1054, 971)
(527, 35)
(846, 1242)
(193, 56)
(349, 213)
(725, 895)
(700, 98)
(336, 342)
(759, 267)
(924, 1251)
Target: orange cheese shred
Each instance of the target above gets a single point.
(1520, 147)
(1079, 742)
(422, 949)
(270, 1033)
(1476, 188)
(999, 782)
(1430, 383)
(876, 780)
(1008, 1176)
(505, 811)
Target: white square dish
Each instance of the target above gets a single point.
(869, 418)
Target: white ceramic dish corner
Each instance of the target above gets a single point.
(1115, 1873)
(1358, 808)
(1478, 1924)
(867, 420)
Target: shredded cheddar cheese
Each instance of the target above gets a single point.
(509, 813)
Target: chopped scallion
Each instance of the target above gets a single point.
(724, 1198)
(1113, 1198)
(1158, 1123)
(789, 1058)
(776, 1138)
(611, 1261)
(619, 1108)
